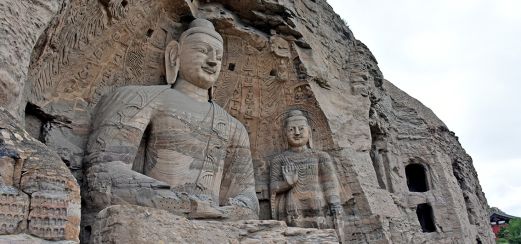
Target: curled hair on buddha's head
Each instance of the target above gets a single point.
(294, 114)
(200, 26)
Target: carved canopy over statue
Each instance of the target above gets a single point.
(170, 147)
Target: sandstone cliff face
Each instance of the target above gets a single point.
(278, 55)
(21, 24)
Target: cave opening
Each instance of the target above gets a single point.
(416, 177)
(426, 217)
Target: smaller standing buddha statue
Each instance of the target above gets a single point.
(303, 183)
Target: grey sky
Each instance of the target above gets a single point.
(462, 59)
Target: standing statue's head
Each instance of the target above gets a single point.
(197, 56)
(297, 129)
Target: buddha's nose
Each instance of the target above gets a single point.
(297, 131)
(211, 60)
(211, 63)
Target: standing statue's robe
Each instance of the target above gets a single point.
(305, 204)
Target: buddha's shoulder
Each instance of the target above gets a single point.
(141, 89)
(317, 152)
(321, 154)
(128, 96)
(160, 94)
(311, 153)
(227, 116)
(134, 94)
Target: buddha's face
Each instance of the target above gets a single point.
(297, 132)
(200, 59)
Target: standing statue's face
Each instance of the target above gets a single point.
(200, 59)
(297, 132)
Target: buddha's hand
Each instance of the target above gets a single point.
(336, 209)
(290, 173)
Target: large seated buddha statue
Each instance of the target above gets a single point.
(170, 146)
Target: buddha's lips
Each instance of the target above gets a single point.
(209, 70)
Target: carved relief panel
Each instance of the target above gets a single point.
(97, 46)
(93, 47)
(258, 87)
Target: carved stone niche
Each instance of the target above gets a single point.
(197, 161)
(304, 187)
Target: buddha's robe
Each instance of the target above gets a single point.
(195, 148)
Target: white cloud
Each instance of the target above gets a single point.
(461, 59)
(508, 9)
(495, 182)
(431, 47)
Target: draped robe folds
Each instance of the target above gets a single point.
(305, 204)
(192, 147)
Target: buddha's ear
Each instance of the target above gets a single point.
(171, 61)
(310, 141)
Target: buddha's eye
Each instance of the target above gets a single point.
(201, 50)
(219, 58)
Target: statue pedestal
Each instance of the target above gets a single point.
(135, 224)
(29, 239)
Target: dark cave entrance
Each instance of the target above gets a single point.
(426, 217)
(416, 177)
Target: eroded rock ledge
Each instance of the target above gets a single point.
(134, 224)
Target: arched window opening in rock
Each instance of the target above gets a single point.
(426, 217)
(416, 178)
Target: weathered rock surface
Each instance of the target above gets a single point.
(133, 224)
(38, 194)
(21, 24)
(278, 55)
(28, 239)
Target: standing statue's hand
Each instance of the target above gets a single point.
(336, 209)
(290, 174)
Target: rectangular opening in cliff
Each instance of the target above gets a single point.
(426, 217)
(416, 177)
